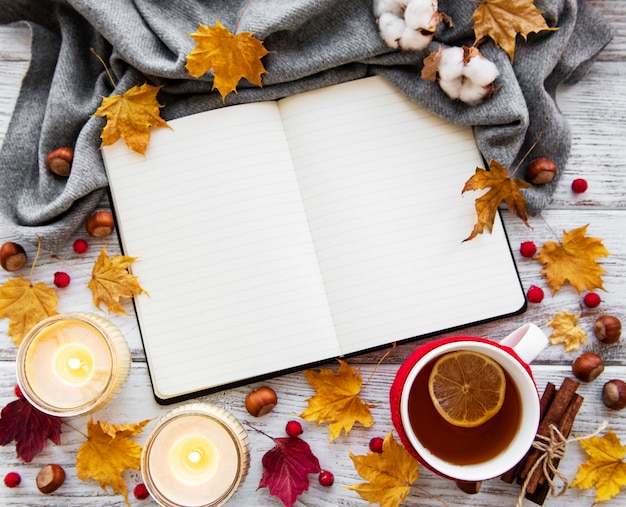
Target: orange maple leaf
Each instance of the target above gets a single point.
(573, 260)
(337, 399)
(567, 331)
(389, 474)
(502, 187)
(130, 116)
(25, 304)
(111, 280)
(232, 57)
(606, 467)
(107, 452)
(502, 20)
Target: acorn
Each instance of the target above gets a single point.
(59, 161)
(607, 328)
(261, 401)
(12, 256)
(50, 478)
(100, 223)
(540, 171)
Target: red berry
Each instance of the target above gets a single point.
(141, 492)
(18, 391)
(326, 478)
(12, 480)
(61, 279)
(535, 294)
(579, 185)
(376, 444)
(591, 300)
(528, 249)
(293, 428)
(80, 246)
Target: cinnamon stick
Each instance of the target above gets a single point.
(546, 400)
(559, 404)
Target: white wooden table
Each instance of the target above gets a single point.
(596, 109)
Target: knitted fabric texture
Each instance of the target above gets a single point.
(312, 43)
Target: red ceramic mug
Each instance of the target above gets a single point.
(470, 454)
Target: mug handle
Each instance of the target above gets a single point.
(527, 341)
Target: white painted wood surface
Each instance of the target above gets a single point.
(596, 109)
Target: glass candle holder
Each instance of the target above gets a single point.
(71, 364)
(196, 456)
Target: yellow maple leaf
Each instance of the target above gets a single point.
(231, 57)
(107, 452)
(25, 304)
(389, 474)
(337, 399)
(567, 331)
(111, 281)
(130, 116)
(573, 260)
(606, 467)
(502, 20)
(502, 187)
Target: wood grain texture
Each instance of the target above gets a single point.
(596, 110)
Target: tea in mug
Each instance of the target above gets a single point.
(460, 445)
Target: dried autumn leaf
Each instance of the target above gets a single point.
(389, 474)
(566, 331)
(502, 20)
(337, 399)
(431, 65)
(29, 427)
(111, 280)
(130, 116)
(286, 469)
(502, 187)
(606, 467)
(232, 57)
(573, 260)
(108, 452)
(25, 304)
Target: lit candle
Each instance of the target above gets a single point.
(71, 364)
(196, 456)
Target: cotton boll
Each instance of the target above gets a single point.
(472, 93)
(451, 63)
(480, 70)
(393, 6)
(391, 28)
(421, 14)
(414, 40)
(452, 87)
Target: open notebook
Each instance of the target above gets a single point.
(276, 235)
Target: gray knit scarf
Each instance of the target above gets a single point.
(312, 43)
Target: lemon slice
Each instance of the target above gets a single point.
(467, 388)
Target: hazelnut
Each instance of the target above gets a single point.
(261, 401)
(12, 256)
(50, 478)
(614, 394)
(100, 223)
(607, 328)
(59, 161)
(540, 171)
(587, 366)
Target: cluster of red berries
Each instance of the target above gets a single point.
(294, 429)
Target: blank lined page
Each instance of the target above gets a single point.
(214, 214)
(381, 180)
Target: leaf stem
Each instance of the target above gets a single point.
(32, 268)
(551, 229)
(56, 257)
(526, 154)
(258, 430)
(243, 11)
(93, 51)
(76, 430)
(378, 364)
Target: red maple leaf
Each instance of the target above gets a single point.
(286, 468)
(29, 427)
